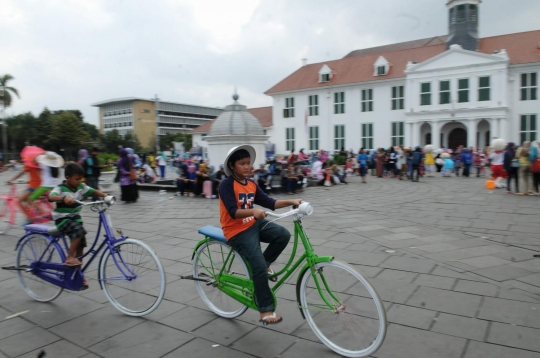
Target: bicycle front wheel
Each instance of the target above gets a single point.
(212, 259)
(344, 311)
(32, 249)
(5, 217)
(132, 278)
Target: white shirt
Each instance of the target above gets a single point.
(497, 158)
(46, 177)
(149, 171)
(162, 161)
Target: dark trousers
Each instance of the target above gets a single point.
(466, 170)
(536, 181)
(248, 245)
(92, 182)
(183, 186)
(292, 184)
(415, 168)
(512, 173)
(162, 171)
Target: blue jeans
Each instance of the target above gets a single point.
(248, 245)
(363, 170)
(162, 171)
(466, 170)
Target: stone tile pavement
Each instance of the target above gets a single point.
(452, 261)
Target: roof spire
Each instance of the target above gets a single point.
(235, 95)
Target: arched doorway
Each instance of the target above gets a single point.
(457, 137)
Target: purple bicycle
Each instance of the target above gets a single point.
(129, 272)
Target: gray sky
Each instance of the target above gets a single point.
(67, 54)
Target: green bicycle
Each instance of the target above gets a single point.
(338, 302)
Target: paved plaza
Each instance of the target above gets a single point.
(452, 261)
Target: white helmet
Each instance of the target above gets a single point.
(250, 150)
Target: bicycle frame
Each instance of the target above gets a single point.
(42, 268)
(41, 203)
(242, 289)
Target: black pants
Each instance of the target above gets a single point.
(248, 245)
(415, 168)
(466, 170)
(92, 182)
(536, 181)
(512, 173)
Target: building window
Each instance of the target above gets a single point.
(453, 16)
(473, 13)
(339, 137)
(325, 77)
(313, 105)
(528, 127)
(484, 91)
(264, 132)
(463, 90)
(339, 102)
(398, 137)
(398, 98)
(314, 138)
(288, 112)
(367, 135)
(381, 70)
(289, 139)
(460, 14)
(367, 100)
(425, 94)
(444, 92)
(528, 86)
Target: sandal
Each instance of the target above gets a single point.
(72, 262)
(271, 272)
(85, 285)
(265, 319)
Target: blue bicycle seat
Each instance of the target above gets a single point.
(213, 232)
(43, 229)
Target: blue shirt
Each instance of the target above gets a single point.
(362, 159)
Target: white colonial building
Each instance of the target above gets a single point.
(447, 90)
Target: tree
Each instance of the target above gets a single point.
(92, 130)
(66, 134)
(166, 141)
(6, 98)
(6, 94)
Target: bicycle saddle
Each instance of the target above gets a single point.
(213, 232)
(43, 229)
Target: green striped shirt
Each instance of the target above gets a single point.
(63, 212)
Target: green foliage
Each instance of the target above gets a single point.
(6, 95)
(166, 141)
(104, 158)
(112, 141)
(92, 130)
(340, 159)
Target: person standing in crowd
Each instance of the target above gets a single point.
(162, 163)
(92, 170)
(522, 155)
(362, 162)
(82, 154)
(392, 160)
(535, 149)
(467, 160)
(379, 158)
(218, 178)
(416, 160)
(511, 166)
(292, 157)
(128, 184)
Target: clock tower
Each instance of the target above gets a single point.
(463, 24)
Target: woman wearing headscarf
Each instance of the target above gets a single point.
(511, 170)
(379, 165)
(522, 155)
(83, 154)
(128, 186)
(535, 149)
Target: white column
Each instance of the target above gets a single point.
(409, 134)
(471, 133)
(435, 134)
(415, 135)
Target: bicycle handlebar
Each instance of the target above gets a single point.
(109, 200)
(305, 208)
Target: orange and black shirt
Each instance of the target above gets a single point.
(234, 195)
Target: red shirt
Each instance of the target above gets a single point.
(35, 177)
(234, 195)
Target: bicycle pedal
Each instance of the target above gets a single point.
(14, 268)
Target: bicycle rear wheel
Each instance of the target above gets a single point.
(354, 325)
(209, 261)
(5, 217)
(132, 277)
(30, 250)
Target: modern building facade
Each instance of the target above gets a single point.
(138, 116)
(447, 91)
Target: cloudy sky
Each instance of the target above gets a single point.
(67, 54)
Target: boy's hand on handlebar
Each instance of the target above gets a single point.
(296, 202)
(67, 201)
(259, 214)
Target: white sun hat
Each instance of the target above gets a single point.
(250, 150)
(50, 159)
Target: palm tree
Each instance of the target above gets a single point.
(6, 98)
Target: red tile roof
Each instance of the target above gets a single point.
(357, 66)
(263, 114)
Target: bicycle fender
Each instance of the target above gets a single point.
(301, 275)
(28, 233)
(203, 241)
